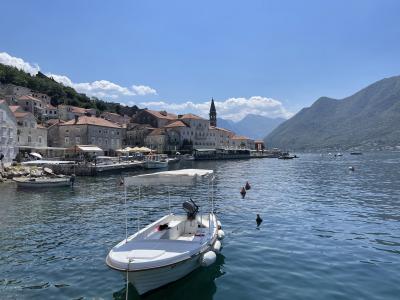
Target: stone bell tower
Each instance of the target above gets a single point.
(213, 114)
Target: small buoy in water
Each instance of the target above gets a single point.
(243, 192)
(208, 258)
(221, 234)
(247, 186)
(217, 246)
(352, 168)
(219, 225)
(258, 220)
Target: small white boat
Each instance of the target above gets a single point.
(43, 182)
(155, 162)
(174, 245)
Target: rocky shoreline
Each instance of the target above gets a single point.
(8, 173)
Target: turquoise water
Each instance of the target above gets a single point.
(327, 233)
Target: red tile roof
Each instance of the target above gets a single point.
(54, 121)
(14, 108)
(158, 131)
(221, 129)
(176, 124)
(85, 120)
(191, 116)
(27, 97)
(20, 114)
(240, 137)
(161, 115)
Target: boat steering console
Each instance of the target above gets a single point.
(191, 209)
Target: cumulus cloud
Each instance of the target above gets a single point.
(104, 88)
(19, 63)
(233, 109)
(100, 88)
(143, 90)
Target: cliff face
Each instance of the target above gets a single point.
(367, 118)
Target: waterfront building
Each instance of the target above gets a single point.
(241, 142)
(156, 119)
(197, 131)
(29, 133)
(8, 133)
(157, 140)
(69, 112)
(221, 137)
(87, 130)
(259, 145)
(137, 133)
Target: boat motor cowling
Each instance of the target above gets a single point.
(191, 209)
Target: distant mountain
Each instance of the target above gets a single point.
(253, 126)
(369, 119)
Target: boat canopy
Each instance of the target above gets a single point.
(177, 178)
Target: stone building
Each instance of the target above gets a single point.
(29, 133)
(157, 140)
(69, 112)
(137, 133)
(31, 104)
(8, 134)
(156, 119)
(221, 137)
(12, 92)
(115, 118)
(241, 142)
(87, 130)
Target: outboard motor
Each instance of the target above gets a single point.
(191, 209)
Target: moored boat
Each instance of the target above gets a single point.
(155, 162)
(44, 182)
(174, 245)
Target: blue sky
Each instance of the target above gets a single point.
(271, 57)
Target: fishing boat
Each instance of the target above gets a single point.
(44, 182)
(155, 162)
(174, 245)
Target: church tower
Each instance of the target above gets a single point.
(213, 114)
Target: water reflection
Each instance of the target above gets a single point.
(200, 284)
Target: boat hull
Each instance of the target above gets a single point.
(147, 280)
(156, 164)
(37, 184)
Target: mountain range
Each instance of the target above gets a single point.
(369, 119)
(252, 126)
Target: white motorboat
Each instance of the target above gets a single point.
(174, 245)
(155, 162)
(44, 182)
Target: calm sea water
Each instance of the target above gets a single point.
(327, 233)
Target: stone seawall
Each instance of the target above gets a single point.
(69, 169)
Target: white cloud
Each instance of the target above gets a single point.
(143, 90)
(103, 89)
(233, 109)
(19, 63)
